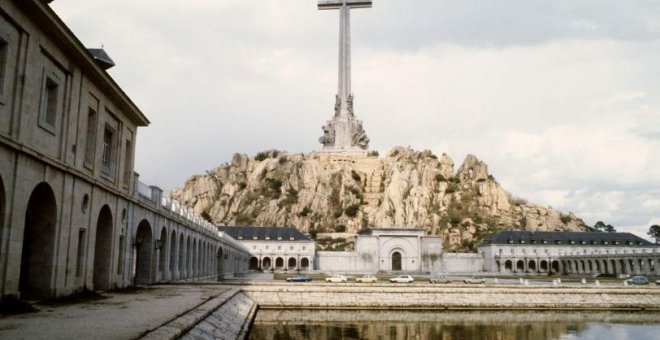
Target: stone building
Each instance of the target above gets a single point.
(389, 250)
(275, 248)
(73, 215)
(570, 253)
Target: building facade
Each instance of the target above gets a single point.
(274, 248)
(388, 250)
(569, 253)
(73, 215)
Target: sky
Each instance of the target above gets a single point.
(561, 98)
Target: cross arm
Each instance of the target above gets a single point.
(336, 4)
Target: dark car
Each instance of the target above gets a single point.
(299, 278)
(638, 280)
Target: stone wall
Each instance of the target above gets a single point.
(411, 297)
(462, 263)
(226, 316)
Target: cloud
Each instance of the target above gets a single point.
(560, 98)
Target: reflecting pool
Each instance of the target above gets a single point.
(454, 325)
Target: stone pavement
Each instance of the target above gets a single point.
(125, 315)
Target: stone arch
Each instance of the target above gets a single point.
(279, 263)
(498, 266)
(195, 253)
(173, 245)
(219, 263)
(3, 208)
(651, 266)
(543, 265)
(38, 244)
(162, 253)
(266, 263)
(508, 266)
(520, 266)
(292, 263)
(641, 266)
(590, 263)
(531, 266)
(254, 263)
(554, 266)
(144, 247)
(622, 267)
(103, 250)
(182, 256)
(631, 262)
(597, 266)
(397, 260)
(189, 252)
(304, 263)
(583, 267)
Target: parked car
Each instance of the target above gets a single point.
(336, 279)
(638, 280)
(402, 279)
(299, 278)
(475, 280)
(440, 279)
(366, 279)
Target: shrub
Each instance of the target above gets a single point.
(340, 228)
(356, 176)
(373, 153)
(261, 156)
(352, 210)
(440, 178)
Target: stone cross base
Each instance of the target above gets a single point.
(344, 134)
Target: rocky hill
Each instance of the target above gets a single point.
(329, 193)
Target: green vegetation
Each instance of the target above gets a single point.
(352, 210)
(356, 176)
(440, 178)
(373, 153)
(654, 231)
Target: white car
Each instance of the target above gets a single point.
(366, 279)
(402, 279)
(336, 279)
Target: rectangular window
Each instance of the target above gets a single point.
(108, 151)
(3, 64)
(128, 157)
(80, 259)
(50, 99)
(90, 141)
(120, 262)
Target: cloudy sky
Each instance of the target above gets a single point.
(560, 97)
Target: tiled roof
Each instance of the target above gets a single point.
(567, 238)
(265, 233)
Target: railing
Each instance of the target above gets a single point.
(144, 190)
(176, 208)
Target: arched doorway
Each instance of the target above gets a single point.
(38, 244)
(520, 266)
(162, 254)
(292, 263)
(193, 264)
(219, 267)
(304, 263)
(182, 257)
(508, 266)
(531, 266)
(143, 249)
(279, 263)
(188, 257)
(265, 263)
(543, 265)
(396, 261)
(555, 266)
(103, 250)
(254, 263)
(173, 245)
(2, 209)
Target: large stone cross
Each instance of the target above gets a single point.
(344, 132)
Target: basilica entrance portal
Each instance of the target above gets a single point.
(396, 261)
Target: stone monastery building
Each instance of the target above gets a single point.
(73, 214)
(275, 248)
(570, 253)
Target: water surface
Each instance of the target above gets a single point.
(454, 325)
